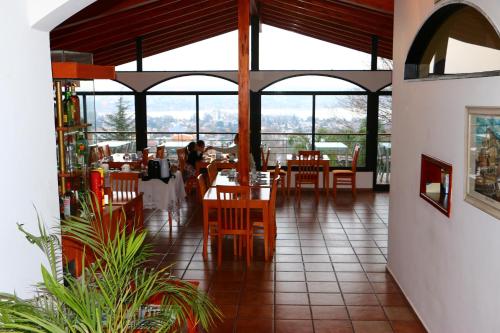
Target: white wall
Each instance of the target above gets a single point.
(449, 268)
(29, 175)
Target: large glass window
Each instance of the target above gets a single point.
(171, 120)
(313, 83)
(457, 39)
(192, 107)
(113, 121)
(340, 125)
(286, 123)
(384, 140)
(218, 119)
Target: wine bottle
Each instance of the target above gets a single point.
(70, 155)
(81, 149)
(68, 108)
(68, 200)
(75, 101)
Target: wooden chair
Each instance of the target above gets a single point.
(212, 214)
(347, 177)
(233, 217)
(308, 172)
(160, 152)
(212, 173)
(264, 158)
(94, 154)
(145, 157)
(269, 231)
(123, 185)
(181, 158)
(100, 150)
(281, 174)
(190, 183)
(107, 151)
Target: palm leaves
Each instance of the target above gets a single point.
(113, 292)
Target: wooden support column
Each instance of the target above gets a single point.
(243, 90)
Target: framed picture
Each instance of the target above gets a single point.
(483, 159)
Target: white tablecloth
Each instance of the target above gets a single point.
(160, 195)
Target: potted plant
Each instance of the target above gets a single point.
(118, 292)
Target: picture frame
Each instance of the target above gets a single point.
(482, 155)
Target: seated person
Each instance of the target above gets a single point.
(189, 171)
(196, 154)
(233, 151)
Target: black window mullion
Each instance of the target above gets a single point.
(313, 121)
(197, 117)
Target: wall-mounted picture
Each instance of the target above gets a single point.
(483, 159)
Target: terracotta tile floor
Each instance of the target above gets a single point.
(327, 275)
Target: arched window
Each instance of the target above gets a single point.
(185, 108)
(313, 83)
(457, 39)
(314, 112)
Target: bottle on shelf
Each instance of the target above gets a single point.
(68, 201)
(70, 155)
(81, 149)
(75, 106)
(69, 111)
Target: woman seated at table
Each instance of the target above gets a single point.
(195, 155)
(232, 151)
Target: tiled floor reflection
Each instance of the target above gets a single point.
(328, 273)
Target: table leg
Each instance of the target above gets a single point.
(288, 177)
(265, 213)
(326, 177)
(205, 230)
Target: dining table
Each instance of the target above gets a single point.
(324, 162)
(228, 177)
(260, 197)
(118, 160)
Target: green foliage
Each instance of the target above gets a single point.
(111, 295)
(119, 122)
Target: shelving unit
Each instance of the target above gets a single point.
(71, 72)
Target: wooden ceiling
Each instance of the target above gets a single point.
(109, 28)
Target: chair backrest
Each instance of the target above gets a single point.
(160, 151)
(232, 208)
(145, 157)
(94, 154)
(212, 172)
(355, 156)
(264, 157)
(274, 191)
(100, 150)
(124, 185)
(202, 185)
(277, 168)
(308, 163)
(181, 158)
(107, 151)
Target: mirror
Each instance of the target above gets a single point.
(435, 183)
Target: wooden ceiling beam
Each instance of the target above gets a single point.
(311, 21)
(108, 38)
(158, 12)
(367, 23)
(381, 6)
(102, 9)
